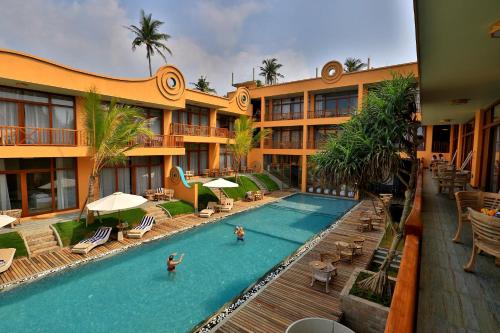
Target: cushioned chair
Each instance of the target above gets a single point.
(143, 227)
(6, 258)
(207, 212)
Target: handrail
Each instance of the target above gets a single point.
(159, 141)
(200, 130)
(329, 114)
(38, 136)
(269, 116)
(404, 300)
(270, 144)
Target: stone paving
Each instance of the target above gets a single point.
(451, 300)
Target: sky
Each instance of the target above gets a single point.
(212, 37)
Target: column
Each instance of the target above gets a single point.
(306, 105)
(458, 160)
(262, 118)
(477, 150)
(303, 183)
(361, 94)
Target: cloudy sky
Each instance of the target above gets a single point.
(212, 37)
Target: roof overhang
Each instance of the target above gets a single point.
(459, 60)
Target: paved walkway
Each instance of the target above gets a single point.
(290, 297)
(451, 300)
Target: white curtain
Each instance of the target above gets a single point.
(107, 182)
(4, 190)
(124, 180)
(156, 176)
(8, 117)
(141, 180)
(36, 116)
(65, 186)
(63, 117)
(193, 162)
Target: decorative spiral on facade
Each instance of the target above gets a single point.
(170, 82)
(242, 98)
(175, 177)
(332, 71)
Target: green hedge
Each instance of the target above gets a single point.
(204, 196)
(268, 182)
(13, 239)
(72, 232)
(238, 193)
(178, 207)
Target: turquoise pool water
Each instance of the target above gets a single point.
(132, 291)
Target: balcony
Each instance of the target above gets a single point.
(159, 141)
(200, 130)
(34, 136)
(330, 113)
(270, 144)
(283, 116)
(316, 144)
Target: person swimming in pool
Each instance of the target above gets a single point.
(172, 263)
(240, 233)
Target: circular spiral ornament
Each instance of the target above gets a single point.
(170, 82)
(242, 98)
(175, 177)
(332, 71)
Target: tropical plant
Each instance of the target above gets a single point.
(244, 140)
(111, 130)
(148, 34)
(269, 70)
(371, 150)
(353, 64)
(203, 85)
(258, 83)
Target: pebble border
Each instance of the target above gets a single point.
(252, 291)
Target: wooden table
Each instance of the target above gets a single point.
(316, 264)
(121, 227)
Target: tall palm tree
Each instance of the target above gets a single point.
(110, 130)
(203, 85)
(353, 64)
(269, 70)
(149, 35)
(371, 150)
(244, 140)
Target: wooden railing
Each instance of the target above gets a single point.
(159, 141)
(402, 314)
(269, 116)
(330, 113)
(316, 144)
(35, 136)
(270, 144)
(200, 130)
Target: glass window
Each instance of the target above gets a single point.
(39, 188)
(62, 100)
(64, 118)
(37, 121)
(8, 114)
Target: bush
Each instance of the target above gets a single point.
(368, 295)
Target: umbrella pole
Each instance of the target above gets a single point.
(99, 216)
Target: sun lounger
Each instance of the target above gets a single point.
(100, 237)
(207, 212)
(143, 227)
(227, 205)
(6, 257)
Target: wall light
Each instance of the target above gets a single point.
(495, 30)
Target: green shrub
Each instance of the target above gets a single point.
(366, 294)
(268, 182)
(178, 207)
(13, 239)
(238, 193)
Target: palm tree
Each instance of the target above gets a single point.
(149, 35)
(371, 150)
(353, 64)
(270, 70)
(244, 140)
(110, 130)
(203, 85)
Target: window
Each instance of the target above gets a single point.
(286, 109)
(195, 160)
(441, 138)
(335, 105)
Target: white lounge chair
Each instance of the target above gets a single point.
(6, 257)
(227, 205)
(143, 227)
(100, 237)
(207, 212)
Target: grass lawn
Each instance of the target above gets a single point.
(204, 196)
(178, 207)
(72, 232)
(238, 193)
(387, 240)
(270, 184)
(13, 239)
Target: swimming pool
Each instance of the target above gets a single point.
(132, 292)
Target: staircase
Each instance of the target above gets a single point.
(277, 180)
(159, 213)
(41, 241)
(257, 182)
(218, 193)
(379, 257)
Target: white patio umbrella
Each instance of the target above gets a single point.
(116, 202)
(6, 219)
(220, 183)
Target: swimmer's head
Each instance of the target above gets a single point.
(170, 257)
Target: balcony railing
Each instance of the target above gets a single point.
(270, 144)
(330, 113)
(316, 144)
(159, 141)
(200, 130)
(283, 116)
(35, 136)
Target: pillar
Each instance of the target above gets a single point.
(459, 160)
(303, 183)
(361, 94)
(262, 118)
(306, 104)
(212, 120)
(477, 150)
(213, 155)
(167, 121)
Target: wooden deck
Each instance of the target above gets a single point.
(290, 297)
(24, 268)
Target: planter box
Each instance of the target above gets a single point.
(362, 315)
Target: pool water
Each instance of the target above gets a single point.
(133, 292)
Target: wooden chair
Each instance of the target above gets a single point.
(258, 195)
(188, 174)
(206, 173)
(446, 180)
(150, 195)
(169, 194)
(16, 213)
(345, 251)
(160, 193)
(365, 224)
(323, 275)
(461, 180)
(486, 237)
(475, 200)
(357, 245)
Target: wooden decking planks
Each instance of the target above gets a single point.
(23, 268)
(290, 297)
